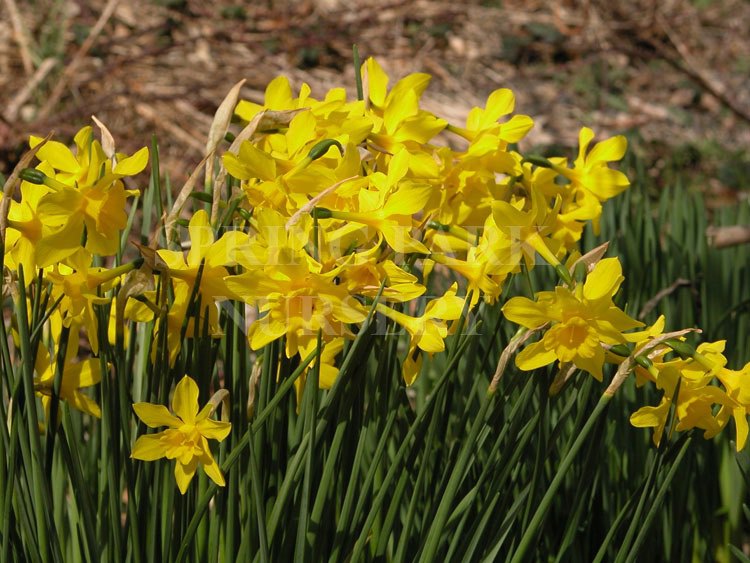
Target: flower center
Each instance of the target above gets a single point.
(571, 338)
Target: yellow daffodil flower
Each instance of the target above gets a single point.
(75, 376)
(33, 240)
(428, 331)
(77, 284)
(186, 439)
(215, 256)
(87, 190)
(582, 320)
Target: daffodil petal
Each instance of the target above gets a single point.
(609, 149)
(155, 416)
(213, 429)
(183, 474)
(604, 280)
(535, 356)
(185, 400)
(149, 447)
(264, 331)
(377, 81)
(652, 417)
(499, 103)
(516, 128)
(740, 422)
(592, 364)
(212, 468)
(279, 94)
(83, 403)
(526, 312)
(132, 165)
(57, 154)
(585, 136)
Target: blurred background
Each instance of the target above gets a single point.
(672, 74)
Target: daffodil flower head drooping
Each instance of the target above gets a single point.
(688, 385)
(76, 375)
(427, 332)
(206, 264)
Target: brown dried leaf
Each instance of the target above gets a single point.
(108, 141)
(171, 219)
(590, 259)
(151, 259)
(219, 125)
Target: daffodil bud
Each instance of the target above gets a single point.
(644, 362)
(33, 175)
(320, 148)
(202, 196)
(684, 349)
(322, 213)
(538, 160)
(39, 178)
(620, 350)
(438, 226)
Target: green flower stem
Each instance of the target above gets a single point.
(72, 459)
(421, 476)
(48, 541)
(357, 72)
(416, 431)
(328, 478)
(455, 230)
(202, 505)
(538, 518)
(55, 400)
(310, 398)
(444, 510)
(657, 504)
(461, 132)
(538, 160)
(317, 151)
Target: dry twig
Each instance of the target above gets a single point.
(667, 291)
(690, 66)
(78, 58)
(13, 107)
(19, 34)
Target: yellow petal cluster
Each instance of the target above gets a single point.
(186, 439)
(583, 321)
(323, 210)
(703, 392)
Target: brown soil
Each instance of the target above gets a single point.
(675, 71)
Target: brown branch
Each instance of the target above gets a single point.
(690, 66)
(13, 107)
(667, 291)
(75, 62)
(19, 34)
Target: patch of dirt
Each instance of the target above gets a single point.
(675, 71)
